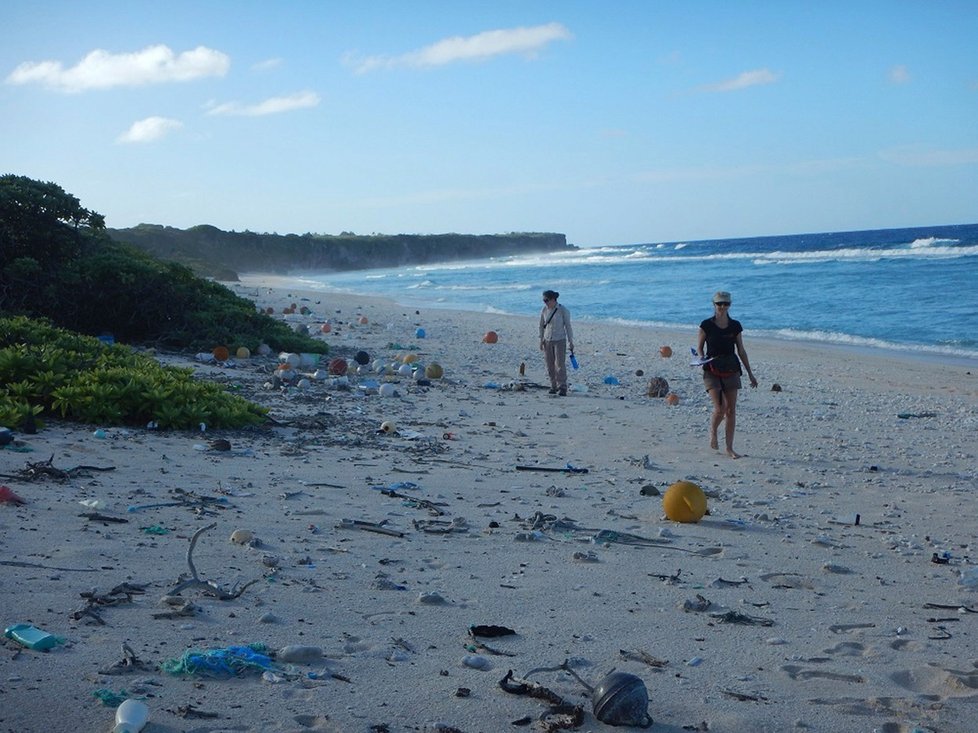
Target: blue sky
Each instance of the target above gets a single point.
(612, 122)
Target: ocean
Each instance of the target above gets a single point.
(910, 290)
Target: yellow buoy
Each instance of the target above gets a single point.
(434, 371)
(243, 352)
(684, 501)
(409, 358)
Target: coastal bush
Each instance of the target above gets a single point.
(45, 370)
(137, 298)
(57, 262)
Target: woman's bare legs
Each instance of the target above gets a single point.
(716, 417)
(724, 407)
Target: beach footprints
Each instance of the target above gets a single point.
(788, 581)
(848, 649)
(906, 645)
(314, 723)
(797, 673)
(932, 680)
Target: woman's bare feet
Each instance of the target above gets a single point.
(732, 453)
(713, 442)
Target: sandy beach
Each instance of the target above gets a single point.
(377, 552)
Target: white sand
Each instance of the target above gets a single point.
(851, 645)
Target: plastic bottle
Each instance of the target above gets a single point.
(573, 360)
(131, 716)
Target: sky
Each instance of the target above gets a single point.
(613, 122)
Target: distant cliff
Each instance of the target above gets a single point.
(213, 252)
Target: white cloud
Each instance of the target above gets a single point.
(271, 106)
(899, 74)
(743, 81)
(103, 70)
(267, 64)
(482, 46)
(733, 172)
(920, 156)
(149, 129)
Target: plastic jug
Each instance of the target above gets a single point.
(131, 716)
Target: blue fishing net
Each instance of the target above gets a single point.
(230, 661)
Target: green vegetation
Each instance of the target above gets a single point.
(59, 270)
(57, 262)
(50, 371)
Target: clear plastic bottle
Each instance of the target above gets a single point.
(131, 716)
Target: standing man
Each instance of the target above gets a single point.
(555, 338)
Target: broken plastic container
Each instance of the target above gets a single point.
(31, 637)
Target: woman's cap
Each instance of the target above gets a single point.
(721, 296)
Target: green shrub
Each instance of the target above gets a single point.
(56, 262)
(46, 370)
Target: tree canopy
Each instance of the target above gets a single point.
(57, 262)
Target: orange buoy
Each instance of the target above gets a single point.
(221, 353)
(491, 337)
(672, 399)
(684, 501)
(338, 366)
(362, 320)
(665, 351)
(269, 311)
(325, 328)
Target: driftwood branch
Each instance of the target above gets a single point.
(46, 469)
(561, 715)
(209, 587)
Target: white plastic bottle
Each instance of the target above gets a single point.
(131, 716)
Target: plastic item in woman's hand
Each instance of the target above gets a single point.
(573, 361)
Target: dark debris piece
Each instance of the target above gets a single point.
(189, 711)
(490, 631)
(735, 617)
(46, 469)
(119, 595)
(529, 689)
(644, 657)
(129, 663)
